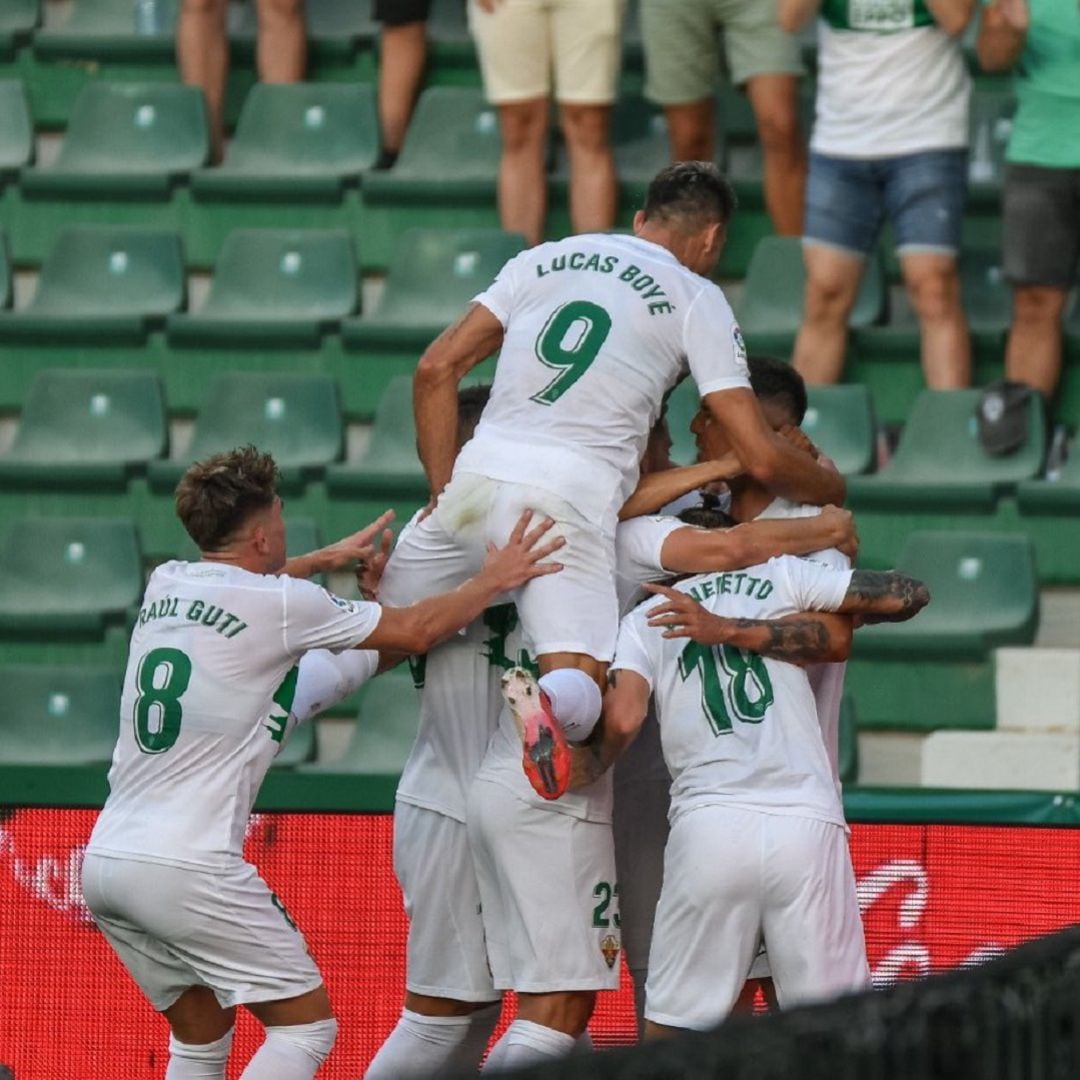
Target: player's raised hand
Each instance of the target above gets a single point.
(360, 546)
(520, 560)
(846, 536)
(1014, 13)
(682, 616)
(370, 567)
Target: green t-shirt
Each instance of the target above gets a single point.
(1046, 128)
(880, 16)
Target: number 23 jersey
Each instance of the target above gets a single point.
(597, 329)
(738, 729)
(207, 694)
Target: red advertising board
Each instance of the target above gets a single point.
(933, 896)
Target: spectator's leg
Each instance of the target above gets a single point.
(832, 284)
(202, 53)
(775, 100)
(1033, 354)
(402, 56)
(692, 130)
(933, 283)
(522, 184)
(593, 191)
(282, 43)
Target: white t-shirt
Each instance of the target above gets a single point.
(883, 94)
(738, 729)
(207, 695)
(597, 330)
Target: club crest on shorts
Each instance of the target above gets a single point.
(609, 946)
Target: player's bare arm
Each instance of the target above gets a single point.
(884, 596)
(358, 548)
(1002, 34)
(793, 15)
(655, 490)
(806, 638)
(695, 551)
(626, 705)
(952, 16)
(421, 626)
(771, 459)
(446, 361)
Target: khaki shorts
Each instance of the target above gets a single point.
(523, 43)
(682, 46)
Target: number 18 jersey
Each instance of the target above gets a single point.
(738, 729)
(207, 694)
(597, 330)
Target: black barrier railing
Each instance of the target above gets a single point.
(1015, 1018)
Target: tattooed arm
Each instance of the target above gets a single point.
(626, 704)
(884, 596)
(446, 361)
(808, 638)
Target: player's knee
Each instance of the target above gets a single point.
(206, 1054)
(314, 1040)
(575, 700)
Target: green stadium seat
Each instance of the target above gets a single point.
(336, 29)
(274, 287)
(102, 284)
(987, 296)
(848, 750)
(770, 311)
(939, 463)
(451, 153)
(62, 715)
(385, 728)
(296, 142)
(449, 40)
(432, 277)
(1057, 497)
(18, 18)
(16, 125)
(299, 747)
(86, 429)
(297, 418)
(67, 574)
(990, 124)
(389, 465)
(840, 421)
(112, 30)
(126, 140)
(682, 404)
(984, 593)
(6, 276)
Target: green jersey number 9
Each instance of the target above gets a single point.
(570, 341)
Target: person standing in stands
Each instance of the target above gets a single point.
(889, 142)
(682, 40)
(1041, 226)
(202, 51)
(525, 45)
(402, 56)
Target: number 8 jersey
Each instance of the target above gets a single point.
(207, 695)
(738, 729)
(597, 329)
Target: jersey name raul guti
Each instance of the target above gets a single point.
(738, 729)
(207, 694)
(598, 329)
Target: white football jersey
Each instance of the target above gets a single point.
(826, 680)
(598, 329)
(736, 728)
(209, 687)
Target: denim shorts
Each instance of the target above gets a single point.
(922, 195)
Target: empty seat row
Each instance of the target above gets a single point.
(280, 287)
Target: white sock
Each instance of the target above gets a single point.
(482, 1024)
(525, 1043)
(292, 1052)
(420, 1046)
(205, 1061)
(575, 701)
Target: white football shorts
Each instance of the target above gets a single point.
(733, 877)
(174, 928)
(447, 956)
(575, 610)
(549, 895)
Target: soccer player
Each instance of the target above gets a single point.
(593, 331)
(210, 683)
(758, 845)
